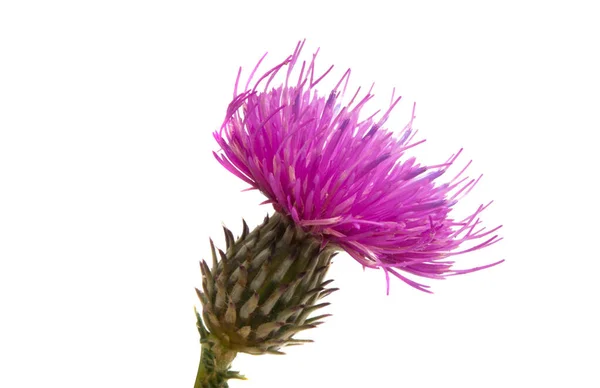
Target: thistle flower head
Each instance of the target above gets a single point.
(342, 176)
(261, 292)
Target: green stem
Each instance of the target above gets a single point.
(215, 361)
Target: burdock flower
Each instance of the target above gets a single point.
(338, 181)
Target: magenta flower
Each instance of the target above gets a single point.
(345, 178)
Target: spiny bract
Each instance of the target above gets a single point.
(260, 293)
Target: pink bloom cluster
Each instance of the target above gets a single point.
(344, 177)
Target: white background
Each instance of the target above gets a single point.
(109, 190)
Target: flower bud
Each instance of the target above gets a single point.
(261, 292)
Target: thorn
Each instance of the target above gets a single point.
(315, 319)
(245, 229)
(214, 255)
(328, 291)
(202, 297)
(229, 240)
(223, 259)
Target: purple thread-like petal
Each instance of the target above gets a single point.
(347, 179)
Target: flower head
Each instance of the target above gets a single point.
(344, 177)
